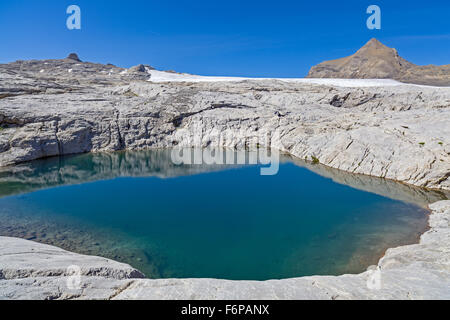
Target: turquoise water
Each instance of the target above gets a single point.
(190, 222)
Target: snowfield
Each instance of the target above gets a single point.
(162, 76)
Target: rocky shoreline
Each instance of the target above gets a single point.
(35, 271)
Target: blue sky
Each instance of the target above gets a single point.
(227, 37)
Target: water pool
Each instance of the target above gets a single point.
(204, 221)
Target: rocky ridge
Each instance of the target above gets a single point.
(417, 271)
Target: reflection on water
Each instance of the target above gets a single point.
(210, 221)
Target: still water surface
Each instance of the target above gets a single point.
(202, 221)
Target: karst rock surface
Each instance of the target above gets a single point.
(58, 107)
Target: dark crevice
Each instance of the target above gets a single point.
(178, 120)
(6, 95)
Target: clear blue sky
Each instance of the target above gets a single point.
(222, 37)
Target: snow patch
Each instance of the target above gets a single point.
(162, 76)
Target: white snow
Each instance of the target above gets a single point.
(162, 76)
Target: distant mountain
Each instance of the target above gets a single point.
(377, 61)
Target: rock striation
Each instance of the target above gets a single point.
(377, 61)
(34, 271)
